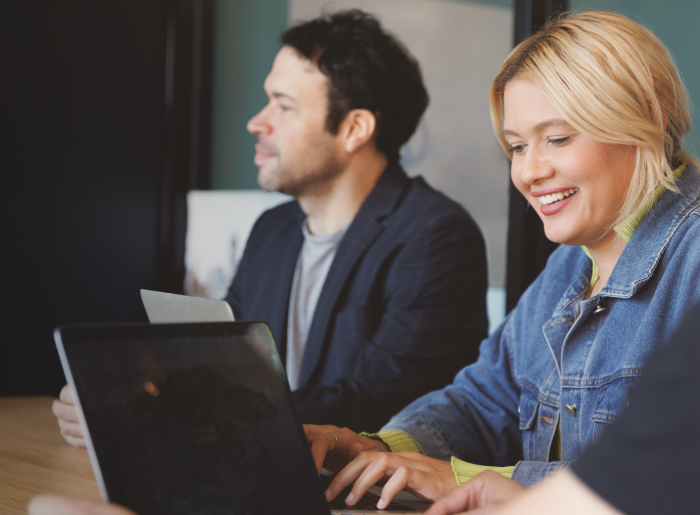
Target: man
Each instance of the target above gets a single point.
(373, 283)
(645, 463)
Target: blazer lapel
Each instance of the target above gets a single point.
(280, 301)
(363, 231)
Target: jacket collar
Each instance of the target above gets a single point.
(644, 250)
(290, 246)
(363, 231)
(636, 264)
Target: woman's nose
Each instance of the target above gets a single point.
(535, 168)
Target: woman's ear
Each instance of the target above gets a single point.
(357, 129)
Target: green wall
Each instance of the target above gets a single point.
(246, 41)
(246, 35)
(677, 24)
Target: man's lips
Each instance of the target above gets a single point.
(262, 153)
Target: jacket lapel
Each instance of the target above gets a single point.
(363, 231)
(280, 301)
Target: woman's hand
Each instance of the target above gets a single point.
(487, 489)
(427, 478)
(333, 447)
(67, 415)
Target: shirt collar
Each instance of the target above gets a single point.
(626, 230)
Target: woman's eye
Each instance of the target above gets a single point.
(560, 141)
(517, 149)
(284, 108)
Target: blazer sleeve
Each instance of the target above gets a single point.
(433, 318)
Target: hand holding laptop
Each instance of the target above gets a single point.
(67, 416)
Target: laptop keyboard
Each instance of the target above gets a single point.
(368, 501)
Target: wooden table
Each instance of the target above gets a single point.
(34, 457)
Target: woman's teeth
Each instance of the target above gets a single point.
(548, 199)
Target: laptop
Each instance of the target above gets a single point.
(194, 418)
(168, 308)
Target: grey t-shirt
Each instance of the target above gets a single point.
(313, 263)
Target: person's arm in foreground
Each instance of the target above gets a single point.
(60, 505)
(490, 493)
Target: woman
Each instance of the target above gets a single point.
(592, 112)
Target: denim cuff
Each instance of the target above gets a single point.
(529, 473)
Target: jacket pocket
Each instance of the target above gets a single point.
(611, 401)
(529, 407)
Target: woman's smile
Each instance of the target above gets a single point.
(553, 201)
(576, 184)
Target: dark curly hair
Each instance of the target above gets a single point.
(367, 68)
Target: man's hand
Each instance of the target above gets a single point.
(427, 478)
(67, 416)
(59, 505)
(486, 489)
(333, 454)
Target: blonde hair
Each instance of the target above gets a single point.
(613, 80)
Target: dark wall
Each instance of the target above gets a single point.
(87, 191)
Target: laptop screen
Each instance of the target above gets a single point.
(192, 418)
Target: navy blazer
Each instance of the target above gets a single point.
(402, 310)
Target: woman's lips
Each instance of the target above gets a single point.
(555, 207)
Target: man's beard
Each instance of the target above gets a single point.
(310, 178)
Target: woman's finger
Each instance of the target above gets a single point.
(319, 449)
(350, 473)
(400, 480)
(378, 467)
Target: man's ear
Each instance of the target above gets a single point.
(358, 127)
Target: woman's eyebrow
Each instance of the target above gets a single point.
(554, 122)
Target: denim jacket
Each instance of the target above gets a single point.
(560, 357)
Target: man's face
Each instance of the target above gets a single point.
(294, 153)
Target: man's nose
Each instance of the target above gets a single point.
(259, 124)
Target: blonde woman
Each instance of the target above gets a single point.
(592, 113)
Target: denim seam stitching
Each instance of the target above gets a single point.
(524, 383)
(591, 383)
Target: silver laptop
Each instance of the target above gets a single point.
(195, 418)
(168, 308)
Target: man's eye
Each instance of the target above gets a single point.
(284, 108)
